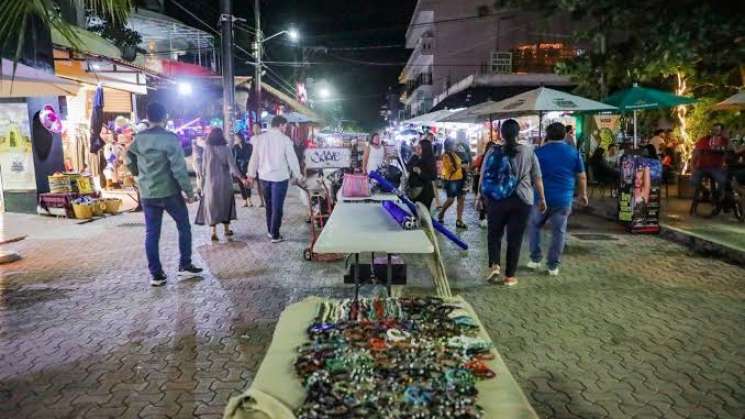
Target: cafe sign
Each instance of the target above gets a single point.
(320, 158)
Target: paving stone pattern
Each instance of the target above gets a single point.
(634, 327)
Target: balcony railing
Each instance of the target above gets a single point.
(423, 79)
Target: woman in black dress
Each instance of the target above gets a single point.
(242, 152)
(422, 173)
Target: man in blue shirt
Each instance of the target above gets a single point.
(562, 167)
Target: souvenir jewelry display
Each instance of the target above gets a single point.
(392, 358)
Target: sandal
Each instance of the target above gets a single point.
(214, 238)
(460, 224)
(229, 233)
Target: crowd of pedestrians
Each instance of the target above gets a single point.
(518, 187)
(157, 160)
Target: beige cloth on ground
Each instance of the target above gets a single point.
(277, 392)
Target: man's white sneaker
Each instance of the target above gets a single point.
(494, 274)
(534, 265)
(553, 272)
(483, 223)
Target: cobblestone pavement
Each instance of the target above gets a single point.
(635, 326)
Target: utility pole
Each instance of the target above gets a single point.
(228, 80)
(257, 77)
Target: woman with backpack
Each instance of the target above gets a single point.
(422, 169)
(476, 169)
(510, 182)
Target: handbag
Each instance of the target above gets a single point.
(355, 186)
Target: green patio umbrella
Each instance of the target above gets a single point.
(639, 98)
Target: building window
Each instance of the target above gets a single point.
(501, 62)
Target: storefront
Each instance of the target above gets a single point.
(29, 150)
(109, 87)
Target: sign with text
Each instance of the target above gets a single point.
(321, 158)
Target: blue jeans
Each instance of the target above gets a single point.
(557, 217)
(175, 207)
(274, 195)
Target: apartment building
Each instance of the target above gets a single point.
(468, 51)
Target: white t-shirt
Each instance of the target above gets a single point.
(375, 157)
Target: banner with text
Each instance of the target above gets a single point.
(323, 158)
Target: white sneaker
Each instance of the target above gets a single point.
(553, 272)
(494, 274)
(483, 223)
(534, 265)
(269, 236)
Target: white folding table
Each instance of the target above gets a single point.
(376, 197)
(364, 227)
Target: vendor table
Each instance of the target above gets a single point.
(59, 204)
(355, 228)
(376, 197)
(276, 392)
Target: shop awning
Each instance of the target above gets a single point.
(103, 73)
(29, 81)
(292, 103)
(429, 118)
(94, 45)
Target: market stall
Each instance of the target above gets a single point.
(357, 228)
(28, 150)
(400, 358)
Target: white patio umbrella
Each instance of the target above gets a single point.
(542, 100)
(468, 115)
(429, 118)
(732, 103)
(29, 81)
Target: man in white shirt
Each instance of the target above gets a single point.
(273, 162)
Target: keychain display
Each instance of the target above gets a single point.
(411, 355)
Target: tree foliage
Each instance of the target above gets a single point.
(15, 15)
(653, 41)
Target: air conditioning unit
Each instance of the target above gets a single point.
(501, 62)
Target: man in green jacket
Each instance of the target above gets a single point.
(157, 160)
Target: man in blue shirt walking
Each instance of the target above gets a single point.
(562, 167)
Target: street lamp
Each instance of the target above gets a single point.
(184, 88)
(292, 33)
(324, 93)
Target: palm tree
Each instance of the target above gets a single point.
(15, 15)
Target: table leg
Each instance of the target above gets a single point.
(356, 277)
(389, 275)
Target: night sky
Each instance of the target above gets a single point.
(354, 31)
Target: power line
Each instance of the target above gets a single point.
(187, 11)
(365, 47)
(391, 64)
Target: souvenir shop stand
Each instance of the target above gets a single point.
(394, 357)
